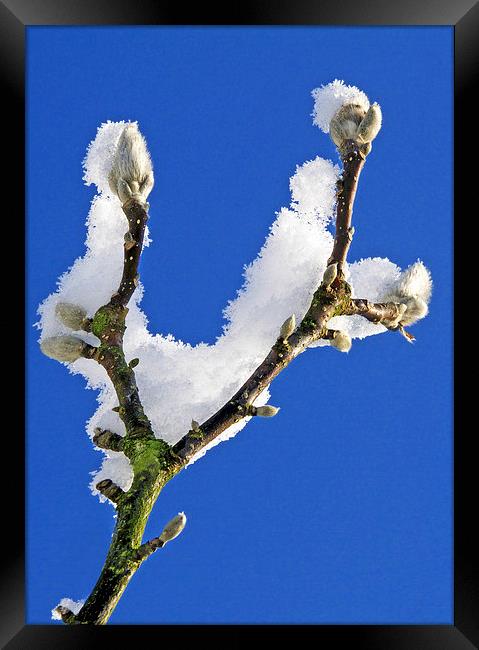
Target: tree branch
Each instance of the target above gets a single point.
(108, 440)
(110, 490)
(137, 216)
(383, 313)
(328, 300)
(152, 460)
(148, 456)
(148, 548)
(353, 163)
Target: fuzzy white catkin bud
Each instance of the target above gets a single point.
(173, 528)
(371, 124)
(288, 327)
(345, 122)
(267, 411)
(131, 175)
(72, 316)
(416, 308)
(63, 348)
(330, 274)
(413, 289)
(342, 341)
(352, 122)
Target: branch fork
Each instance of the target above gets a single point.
(153, 461)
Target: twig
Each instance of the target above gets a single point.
(149, 457)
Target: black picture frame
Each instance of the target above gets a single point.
(463, 15)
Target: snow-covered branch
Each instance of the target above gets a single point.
(153, 387)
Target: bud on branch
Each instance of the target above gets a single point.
(72, 316)
(330, 275)
(131, 175)
(352, 122)
(66, 349)
(413, 289)
(288, 327)
(173, 528)
(266, 411)
(341, 341)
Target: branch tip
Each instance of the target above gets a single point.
(110, 490)
(66, 615)
(106, 439)
(131, 174)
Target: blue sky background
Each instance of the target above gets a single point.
(339, 510)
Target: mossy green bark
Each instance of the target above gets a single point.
(152, 462)
(152, 469)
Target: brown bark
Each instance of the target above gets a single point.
(353, 163)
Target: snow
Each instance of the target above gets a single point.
(73, 605)
(179, 382)
(329, 98)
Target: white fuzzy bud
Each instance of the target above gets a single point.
(416, 308)
(341, 341)
(345, 123)
(173, 528)
(370, 124)
(330, 274)
(413, 289)
(63, 348)
(266, 411)
(288, 327)
(72, 316)
(131, 175)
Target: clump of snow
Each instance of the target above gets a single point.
(314, 180)
(329, 98)
(73, 605)
(100, 155)
(179, 382)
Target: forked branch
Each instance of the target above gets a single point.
(153, 461)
